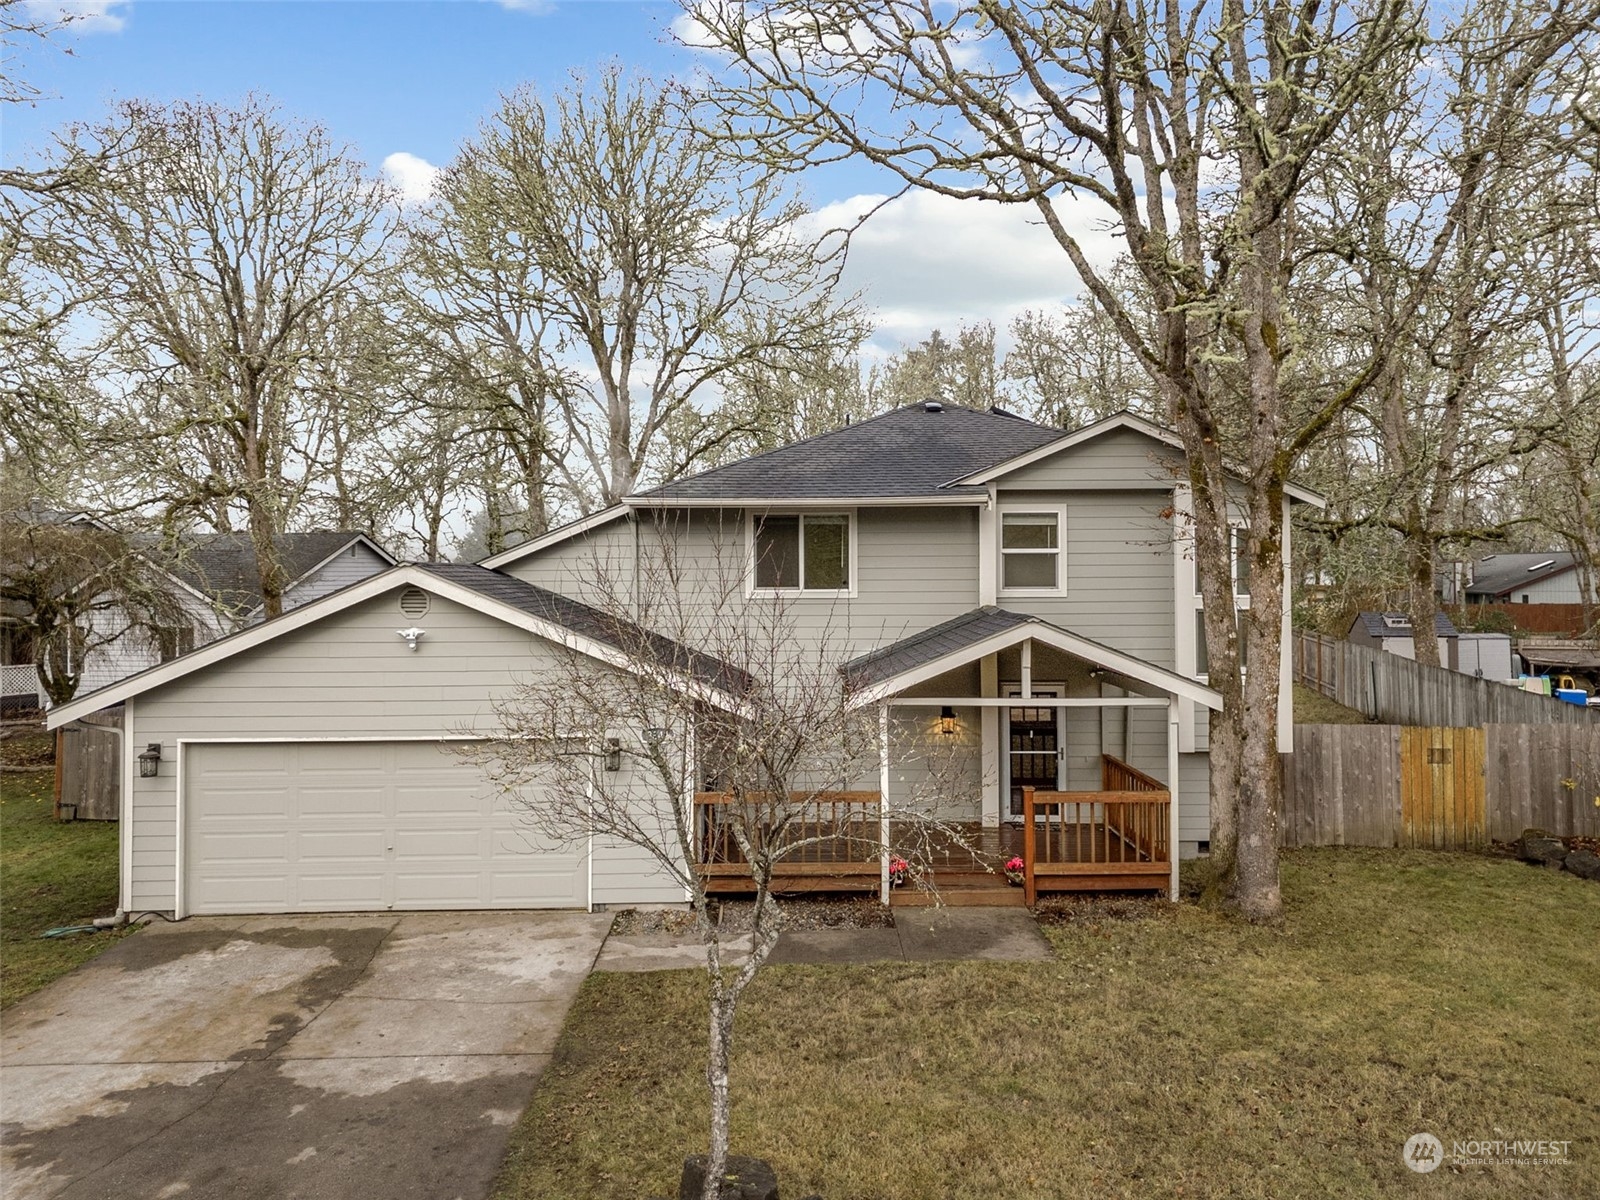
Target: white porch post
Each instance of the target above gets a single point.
(990, 752)
(1172, 792)
(1027, 669)
(883, 802)
(691, 785)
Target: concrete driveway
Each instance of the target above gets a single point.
(289, 1057)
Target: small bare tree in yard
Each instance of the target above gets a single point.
(734, 755)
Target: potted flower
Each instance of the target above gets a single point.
(897, 870)
(1014, 866)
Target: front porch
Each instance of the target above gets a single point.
(1112, 839)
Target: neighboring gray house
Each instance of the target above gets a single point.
(1546, 578)
(1391, 632)
(1028, 591)
(216, 585)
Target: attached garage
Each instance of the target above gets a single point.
(359, 825)
(306, 764)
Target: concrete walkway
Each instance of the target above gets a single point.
(306, 1057)
(918, 935)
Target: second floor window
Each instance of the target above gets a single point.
(1030, 551)
(809, 553)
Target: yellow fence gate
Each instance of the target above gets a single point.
(1442, 795)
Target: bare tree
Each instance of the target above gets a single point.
(1194, 126)
(963, 371)
(612, 269)
(73, 586)
(1071, 367)
(755, 716)
(211, 253)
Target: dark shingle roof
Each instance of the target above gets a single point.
(1497, 574)
(1376, 625)
(906, 452)
(224, 566)
(931, 644)
(592, 623)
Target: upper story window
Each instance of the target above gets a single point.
(1241, 562)
(807, 552)
(1030, 550)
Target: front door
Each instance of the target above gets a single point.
(1034, 756)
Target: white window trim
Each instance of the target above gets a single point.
(1059, 511)
(751, 516)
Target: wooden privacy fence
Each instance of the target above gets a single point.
(89, 769)
(1440, 787)
(1387, 687)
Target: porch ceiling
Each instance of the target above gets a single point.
(892, 669)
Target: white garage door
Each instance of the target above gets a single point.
(326, 826)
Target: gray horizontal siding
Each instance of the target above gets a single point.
(1194, 798)
(346, 676)
(1124, 459)
(914, 568)
(1116, 568)
(351, 565)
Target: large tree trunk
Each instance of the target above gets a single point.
(1421, 603)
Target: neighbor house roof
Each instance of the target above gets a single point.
(224, 568)
(914, 451)
(545, 614)
(891, 669)
(1502, 574)
(1387, 625)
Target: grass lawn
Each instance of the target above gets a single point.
(51, 874)
(1313, 708)
(1173, 1054)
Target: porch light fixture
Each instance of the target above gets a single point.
(947, 721)
(654, 735)
(613, 754)
(150, 761)
(411, 635)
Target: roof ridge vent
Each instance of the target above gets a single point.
(932, 406)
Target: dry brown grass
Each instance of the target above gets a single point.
(1164, 1056)
(1313, 708)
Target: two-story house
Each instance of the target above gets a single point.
(1025, 590)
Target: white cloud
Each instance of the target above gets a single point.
(537, 7)
(925, 260)
(411, 176)
(82, 16)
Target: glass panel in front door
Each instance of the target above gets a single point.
(1034, 750)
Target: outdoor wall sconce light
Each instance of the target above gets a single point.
(947, 721)
(613, 754)
(411, 635)
(654, 735)
(150, 761)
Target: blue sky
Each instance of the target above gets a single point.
(414, 77)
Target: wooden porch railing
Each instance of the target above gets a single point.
(1116, 837)
(832, 833)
